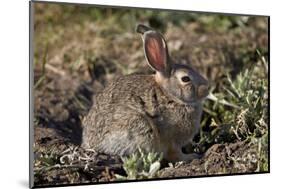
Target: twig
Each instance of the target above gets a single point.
(54, 69)
(91, 166)
(212, 97)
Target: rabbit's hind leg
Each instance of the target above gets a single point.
(190, 157)
(126, 137)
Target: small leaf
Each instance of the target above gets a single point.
(154, 167)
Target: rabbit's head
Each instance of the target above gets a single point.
(180, 81)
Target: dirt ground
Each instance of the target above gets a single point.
(79, 51)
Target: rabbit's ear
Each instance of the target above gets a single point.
(156, 52)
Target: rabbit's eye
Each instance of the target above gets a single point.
(185, 79)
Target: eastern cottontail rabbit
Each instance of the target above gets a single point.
(159, 113)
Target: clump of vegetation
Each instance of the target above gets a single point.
(141, 165)
(239, 110)
(46, 159)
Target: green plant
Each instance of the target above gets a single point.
(238, 110)
(141, 165)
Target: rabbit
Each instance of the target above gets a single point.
(155, 113)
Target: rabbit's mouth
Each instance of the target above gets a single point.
(187, 102)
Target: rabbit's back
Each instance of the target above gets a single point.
(126, 89)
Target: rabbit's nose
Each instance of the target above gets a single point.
(202, 90)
